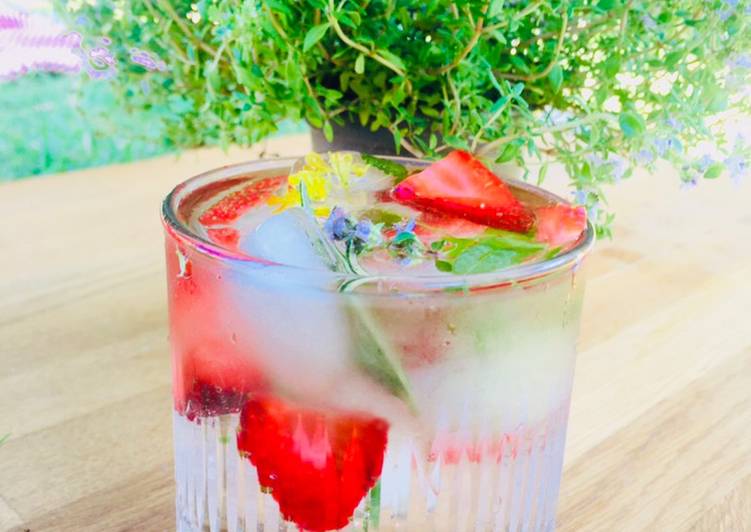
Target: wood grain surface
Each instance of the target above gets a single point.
(660, 431)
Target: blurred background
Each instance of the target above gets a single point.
(54, 118)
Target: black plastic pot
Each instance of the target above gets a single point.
(354, 137)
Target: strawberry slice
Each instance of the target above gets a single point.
(212, 380)
(225, 236)
(232, 206)
(317, 466)
(460, 185)
(432, 226)
(560, 224)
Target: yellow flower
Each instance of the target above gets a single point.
(316, 176)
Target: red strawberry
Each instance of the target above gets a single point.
(225, 236)
(232, 206)
(460, 185)
(317, 466)
(560, 224)
(431, 226)
(213, 380)
(211, 371)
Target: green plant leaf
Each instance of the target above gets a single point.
(556, 78)
(314, 35)
(714, 171)
(328, 131)
(482, 258)
(393, 59)
(360, 64)
(632, 124)
(391, 168)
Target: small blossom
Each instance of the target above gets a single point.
(665, 145)
(689, 184)
(674, 124)
(363, 230)
(580, 197)
(705, 162)
(648, 22)
(645, 157)
(337, 226)
(737, 167)
(740, 61)
(406, 227)
(555, 117)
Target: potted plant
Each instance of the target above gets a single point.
(599, 86)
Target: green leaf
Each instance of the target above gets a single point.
(393, 59)
(391, 168)
(556, 78)
(373, 353)
(714, 171)
(328, 131)
(443, 266)
(606, 5)
(360, 64)
(632, 124)
(496, 8)
(314, 35)
(381, 216)
(482, 258)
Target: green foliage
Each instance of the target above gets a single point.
(42, 129)
(598, 86)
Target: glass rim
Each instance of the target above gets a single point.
(513, 274)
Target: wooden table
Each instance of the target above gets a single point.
(660, 434)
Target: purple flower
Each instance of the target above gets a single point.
(337, 226)
(618, 166)
(363, 230)
(407, 227)
(740, 61)
(648, 22)
(673, 123)
(664, 146)
(688, 184)
(705, 162)
(645, 157)
(737, 167)
(580, 197)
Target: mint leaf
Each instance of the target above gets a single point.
(380, 216)
(481, 258)
(374, 355)
(391, 168)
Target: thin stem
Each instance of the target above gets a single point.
(274, 22)
(457, 106)
(406, 144)
(470, 44)
(553, 61)
(357, 46)
(487, 123)
(165, 5)
(531, 8)
(606, 117)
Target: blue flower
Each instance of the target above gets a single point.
(740, 61)
(675, 124)
(648, 22)
(363, 230)
(645, 157)
(337, 226)
(689, 184)
(705, 162)
(406, 227)
(580, 197)
(664, 146)
(737, 166)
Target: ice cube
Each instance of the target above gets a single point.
(292, 238)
